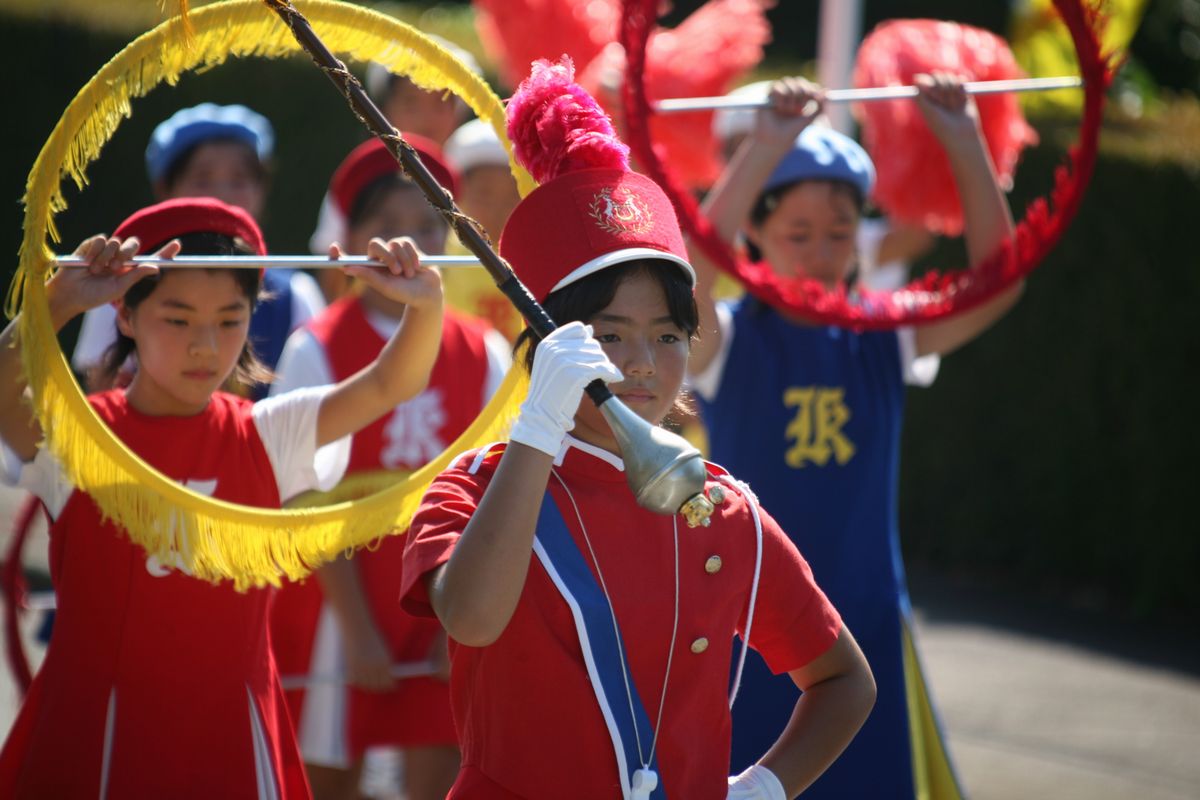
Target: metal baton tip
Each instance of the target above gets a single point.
(664, 471)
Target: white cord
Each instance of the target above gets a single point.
(616, 630)
(752, 501)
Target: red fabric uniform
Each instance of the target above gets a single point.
(528, 720)
(156, 684)
(417, 712)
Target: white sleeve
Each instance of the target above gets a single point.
(287, 425)
(307, 299)
(96, 334)
(499, 358)
(708, 383)
(302, 363)
(43, 478)
(918, 370)
(331, 227)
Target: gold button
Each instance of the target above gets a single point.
(700, 645)
(713, 565)
(717, 495)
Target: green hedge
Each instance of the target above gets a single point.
(1058, 451)
(1054, 452)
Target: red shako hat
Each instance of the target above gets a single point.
(160, 223)
(590, 211)
(372, 159)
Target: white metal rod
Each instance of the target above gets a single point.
(275, 262)
(866, 95)
(839, 32)
(413, 669)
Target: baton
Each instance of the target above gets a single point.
(664, 471)
(411, 669)
(867, 95)
(272, 262)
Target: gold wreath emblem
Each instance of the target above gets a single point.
(628, 215)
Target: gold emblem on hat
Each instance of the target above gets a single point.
(625, 213)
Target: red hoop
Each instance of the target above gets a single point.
(936, 295)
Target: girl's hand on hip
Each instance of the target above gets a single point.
(402, 277)
(794, 104)
(756, 783)
(108, 275)
(949, 111)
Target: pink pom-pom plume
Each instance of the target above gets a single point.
(557, 127)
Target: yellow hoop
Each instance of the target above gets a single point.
(214, 539)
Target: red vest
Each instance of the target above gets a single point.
(417, 431)
(414, 433)
(168, 665)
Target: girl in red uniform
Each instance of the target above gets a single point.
(348, 620)
(590, 640)
(156, 684)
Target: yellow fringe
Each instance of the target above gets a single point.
(212, 539)
(352, 487)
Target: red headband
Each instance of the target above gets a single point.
(162, 222)
(372, 159)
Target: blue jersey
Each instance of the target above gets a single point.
(810, 417)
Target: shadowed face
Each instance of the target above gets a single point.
(400, 211)
(226, 170)
(651, 350)
(434, 115)
(810, 232)
(190, 332)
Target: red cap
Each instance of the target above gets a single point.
(587, 220)
(590, 211)
(162, 222)
(372, 159)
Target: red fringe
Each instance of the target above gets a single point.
(935, 295)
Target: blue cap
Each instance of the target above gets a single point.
(821, 153)
(191, 126)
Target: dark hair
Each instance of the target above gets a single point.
(181, 162)
(249, 369)
(372, 196)
(768, 201)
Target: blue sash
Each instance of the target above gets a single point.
(603, 650)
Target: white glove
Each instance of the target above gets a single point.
(756, 783)
(566, 361)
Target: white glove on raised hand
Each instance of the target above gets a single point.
(756, 783)
(566, 361)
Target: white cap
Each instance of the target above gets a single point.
(379, 78)
(475, 144)
(728, 123)
(331, 227)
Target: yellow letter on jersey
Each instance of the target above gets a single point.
(817, 427)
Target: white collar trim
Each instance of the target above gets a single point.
(570, 441)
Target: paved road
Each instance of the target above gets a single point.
(1043, 703)
(1037, 702)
